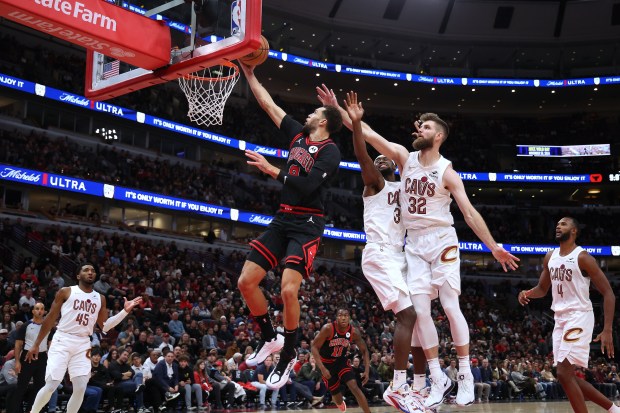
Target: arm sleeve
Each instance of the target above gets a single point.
(290, 128)
(21, 332)
(113, 321)
(324, 168)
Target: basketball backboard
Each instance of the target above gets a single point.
(202, 34)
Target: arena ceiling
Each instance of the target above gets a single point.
(546, 39)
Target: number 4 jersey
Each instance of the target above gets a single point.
(79, 313)
(569, 288)
(424, 201)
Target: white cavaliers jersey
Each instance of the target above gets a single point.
(79, 313)
(424, 200)
(382, 216)
(569, 287)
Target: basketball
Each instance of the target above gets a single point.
(258, 56)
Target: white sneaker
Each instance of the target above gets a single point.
(465, 394)
(279, 376)
(439, 390)
(264, 349)
(403, 399)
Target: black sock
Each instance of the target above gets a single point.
(290, 343)
(266, 328)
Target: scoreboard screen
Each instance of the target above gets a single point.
(603, 149)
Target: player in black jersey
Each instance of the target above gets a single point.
(330, 348)
(296, 230)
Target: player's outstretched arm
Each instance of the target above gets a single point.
(48, 323)
(453, 182)
(588, 264)
(315, 347)
(275, 112)
(370, 175)
(107, 323)
(394, 151)
(541, 289)
(361, 344)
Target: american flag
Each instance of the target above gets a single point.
(111, 69)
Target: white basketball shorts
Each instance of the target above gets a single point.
(572, 335)
(433, 259)
(68, 352)
(384, 267)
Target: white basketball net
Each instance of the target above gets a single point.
(207, 92)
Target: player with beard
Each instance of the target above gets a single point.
(295, 232)
(383, 258)
(568, 270)
(432, 251)
(79, 308)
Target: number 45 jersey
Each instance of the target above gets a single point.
(79, 313)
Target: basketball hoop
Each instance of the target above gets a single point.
(207, 91)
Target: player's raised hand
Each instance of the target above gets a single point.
(607, 343)
(257, 160)
(326, 96)
(353, 107)
(247, 69)
(129, 305)
(505, 258)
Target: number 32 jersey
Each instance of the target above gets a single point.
(79, 313)
(424, 201)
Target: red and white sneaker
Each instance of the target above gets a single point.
(403, 399)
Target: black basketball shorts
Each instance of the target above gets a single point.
(292, 237)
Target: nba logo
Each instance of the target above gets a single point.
(108, 191)
(234, 214)
(615, 250)
(39, 89)
(235, 17)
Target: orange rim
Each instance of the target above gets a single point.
(216, 79)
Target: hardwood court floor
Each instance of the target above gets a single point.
(516, 407)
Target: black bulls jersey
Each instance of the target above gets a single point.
(305, 156)
(336, 347)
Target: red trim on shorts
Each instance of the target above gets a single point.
(291, 209)
(264, 251)
(310, 259)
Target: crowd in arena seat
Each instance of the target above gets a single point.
(474, 143)
(222, 184)
(191, 307)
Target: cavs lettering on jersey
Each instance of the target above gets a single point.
(423, 199)
(79, 313)
(382, 216)
(569, 287)
(336, 347)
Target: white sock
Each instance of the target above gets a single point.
(433, 365)
(419, 381)
(464, 367)
(400, 378)
(614, 408)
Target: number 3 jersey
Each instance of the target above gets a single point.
(382, 216)
(569, 287)
(424, 201)
(79, 313)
